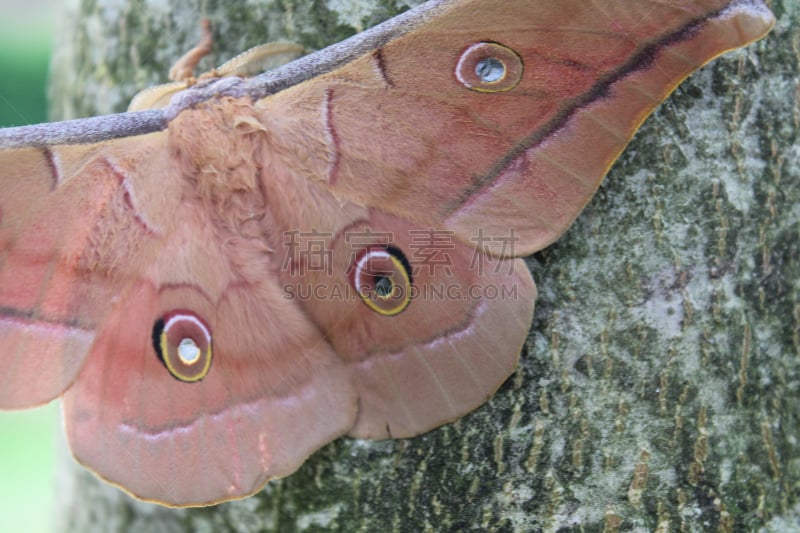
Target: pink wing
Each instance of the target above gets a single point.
(102, 244)
(442, 355)
(59, 276)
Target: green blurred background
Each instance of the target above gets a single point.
(27, 438)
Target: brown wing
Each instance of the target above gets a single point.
(410, 129)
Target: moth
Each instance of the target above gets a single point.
(221, 284)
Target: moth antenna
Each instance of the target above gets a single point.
(183, 69)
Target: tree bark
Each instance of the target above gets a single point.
(659, 388)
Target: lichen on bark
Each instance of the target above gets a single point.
(659, 388)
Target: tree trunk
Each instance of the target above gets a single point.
(659, 388)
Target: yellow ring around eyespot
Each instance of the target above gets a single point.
(400, 267)
(491, 89)
(172, 370)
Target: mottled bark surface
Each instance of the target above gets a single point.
(660, 385)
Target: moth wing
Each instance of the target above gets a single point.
(412, 129)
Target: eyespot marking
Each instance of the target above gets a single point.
(381, 277)
(182, 341)
(489, 68)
